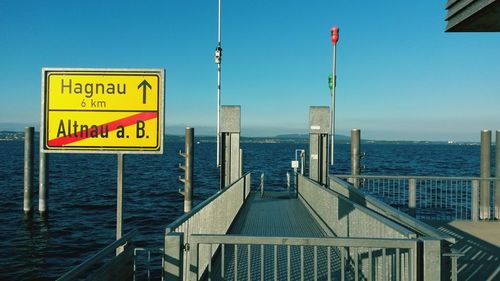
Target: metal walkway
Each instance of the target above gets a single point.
(275, 214)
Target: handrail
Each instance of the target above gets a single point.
(349, 258)
(414, 177)
(403, 230)
(70, 275)
(304, 241)
(200, 206)
(400, 217)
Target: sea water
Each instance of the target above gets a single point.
(82, 194)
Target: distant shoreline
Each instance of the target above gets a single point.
(295, 138)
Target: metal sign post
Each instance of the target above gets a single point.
(335, 39)
(119, 200)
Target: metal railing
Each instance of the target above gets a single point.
(205, 210)
(420, 228)
(424, 232)
(98, 257)
(286, 258)
(158, 252)
(433, 198)
(212, 216)
(345, 218)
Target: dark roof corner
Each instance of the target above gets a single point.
(473, 16)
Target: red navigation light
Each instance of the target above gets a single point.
(335, 34)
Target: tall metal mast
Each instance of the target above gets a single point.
(218, 60)
(335, 39)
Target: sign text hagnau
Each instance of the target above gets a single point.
(102, 110)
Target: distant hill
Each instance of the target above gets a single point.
(11, 135)
(306, 136)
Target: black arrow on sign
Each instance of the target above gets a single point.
(144, 84)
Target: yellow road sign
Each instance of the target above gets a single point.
(102, 110)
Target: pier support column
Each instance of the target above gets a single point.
(431, 258)
(188, 169)
(484, 190)
(29, 135)
(355, 155)
(230, 129)
(318, 143)
(412, 197)
(43, 184)
(497, 175)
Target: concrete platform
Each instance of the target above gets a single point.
(480, 242)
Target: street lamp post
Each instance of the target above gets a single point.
(332, 83)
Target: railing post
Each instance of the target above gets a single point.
(453, 262)
(412, 197)
(262, 185)
(475, 200)
(431, 258)
(241, 162)
(29, 135)
(454, 268)
(484, 193)
(295, 165)
(288, 181)
(355, 155)
(43, 187)
(302, 160)
(174, 256)
(497, 175)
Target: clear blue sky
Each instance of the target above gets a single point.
(400, 76)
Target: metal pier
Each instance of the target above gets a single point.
(318, 231)
(319, 235)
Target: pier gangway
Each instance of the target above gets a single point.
(319, 234)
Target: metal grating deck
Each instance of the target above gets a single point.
(278, 215)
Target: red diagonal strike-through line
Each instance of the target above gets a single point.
(113, 125)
